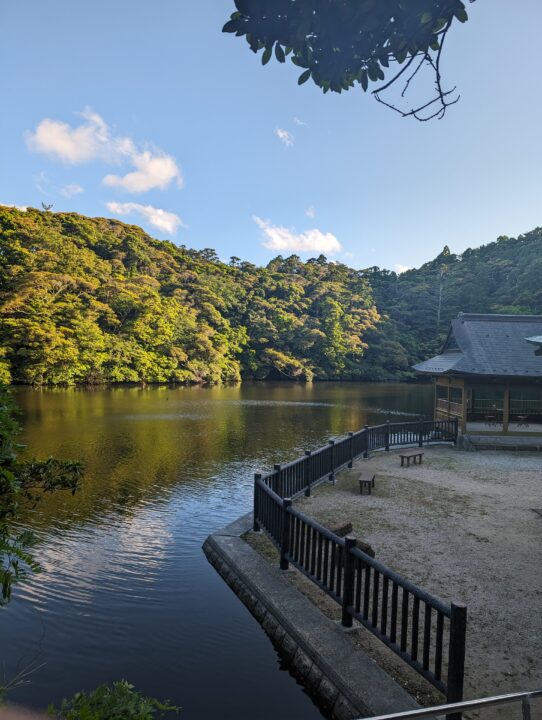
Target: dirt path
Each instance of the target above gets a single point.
(463, 526)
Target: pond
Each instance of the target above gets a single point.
(126, 591)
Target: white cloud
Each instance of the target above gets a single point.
(310, 212)
(22, 208)
(88, 141)
(71, 190)
(152, 171)
(400, 268)
(160, 219)
(286, 137)
(299, 122)
(283, 239)
(93, 140)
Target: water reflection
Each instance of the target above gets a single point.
(126, 591)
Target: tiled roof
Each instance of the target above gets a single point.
(499, 345)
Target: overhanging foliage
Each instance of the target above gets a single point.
(343, 43)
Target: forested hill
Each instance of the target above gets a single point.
(502, 277)
(97, 300)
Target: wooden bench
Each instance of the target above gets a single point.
(415, 457)
(366, 483)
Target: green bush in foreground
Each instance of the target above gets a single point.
(119, 701)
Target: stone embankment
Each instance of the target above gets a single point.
(341, 677)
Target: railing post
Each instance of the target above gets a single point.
(420, 435)
(456, 430)
(285, 542)
(456, 657)
(387, 435)
(308, 454)
(366, 429)
(256, 524)
(280, 489)
(332, 473)
(348, 587)
(351, 461)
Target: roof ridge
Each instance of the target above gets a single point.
(497, 317)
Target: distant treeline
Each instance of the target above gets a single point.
(92, 300)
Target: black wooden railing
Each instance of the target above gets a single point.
(425, 632)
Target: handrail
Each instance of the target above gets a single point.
(435, 602)
(406, 618)
(316, 526)
(464, 705)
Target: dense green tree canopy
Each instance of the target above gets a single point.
(342, 43)
(94, 300)
(501, 277)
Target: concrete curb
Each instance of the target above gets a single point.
(346, 682)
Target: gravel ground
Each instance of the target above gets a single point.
(463, 526)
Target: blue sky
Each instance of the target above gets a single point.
(145, 111)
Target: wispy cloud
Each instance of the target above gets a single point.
(400, 268)
(93, 140)
(69, 191)
(160, 219)
(310, 212)
(43, 184)
(286, 137)
(299, 122)
(281, 239)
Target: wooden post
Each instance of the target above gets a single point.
(279, 489)
(351, 461)
(285, 543)
(456, 430)
(420, 435)
(456, 657)
(387, 435)
(308, 454)
(464, 408)
(348, 587)
(332, 473)
(506, 410)
(256, 524)
(366, 429)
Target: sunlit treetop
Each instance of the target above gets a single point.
(343, 43)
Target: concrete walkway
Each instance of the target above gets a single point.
(345, 681)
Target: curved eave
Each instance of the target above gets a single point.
(439, 365)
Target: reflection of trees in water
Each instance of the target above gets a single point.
(139, 445)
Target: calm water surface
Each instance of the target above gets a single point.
(126, 591)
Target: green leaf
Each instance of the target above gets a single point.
(304, 77)
(461, 14)
(279, 53)
(266, 56)
(364, 80)
(231, 26)
(441, 22)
